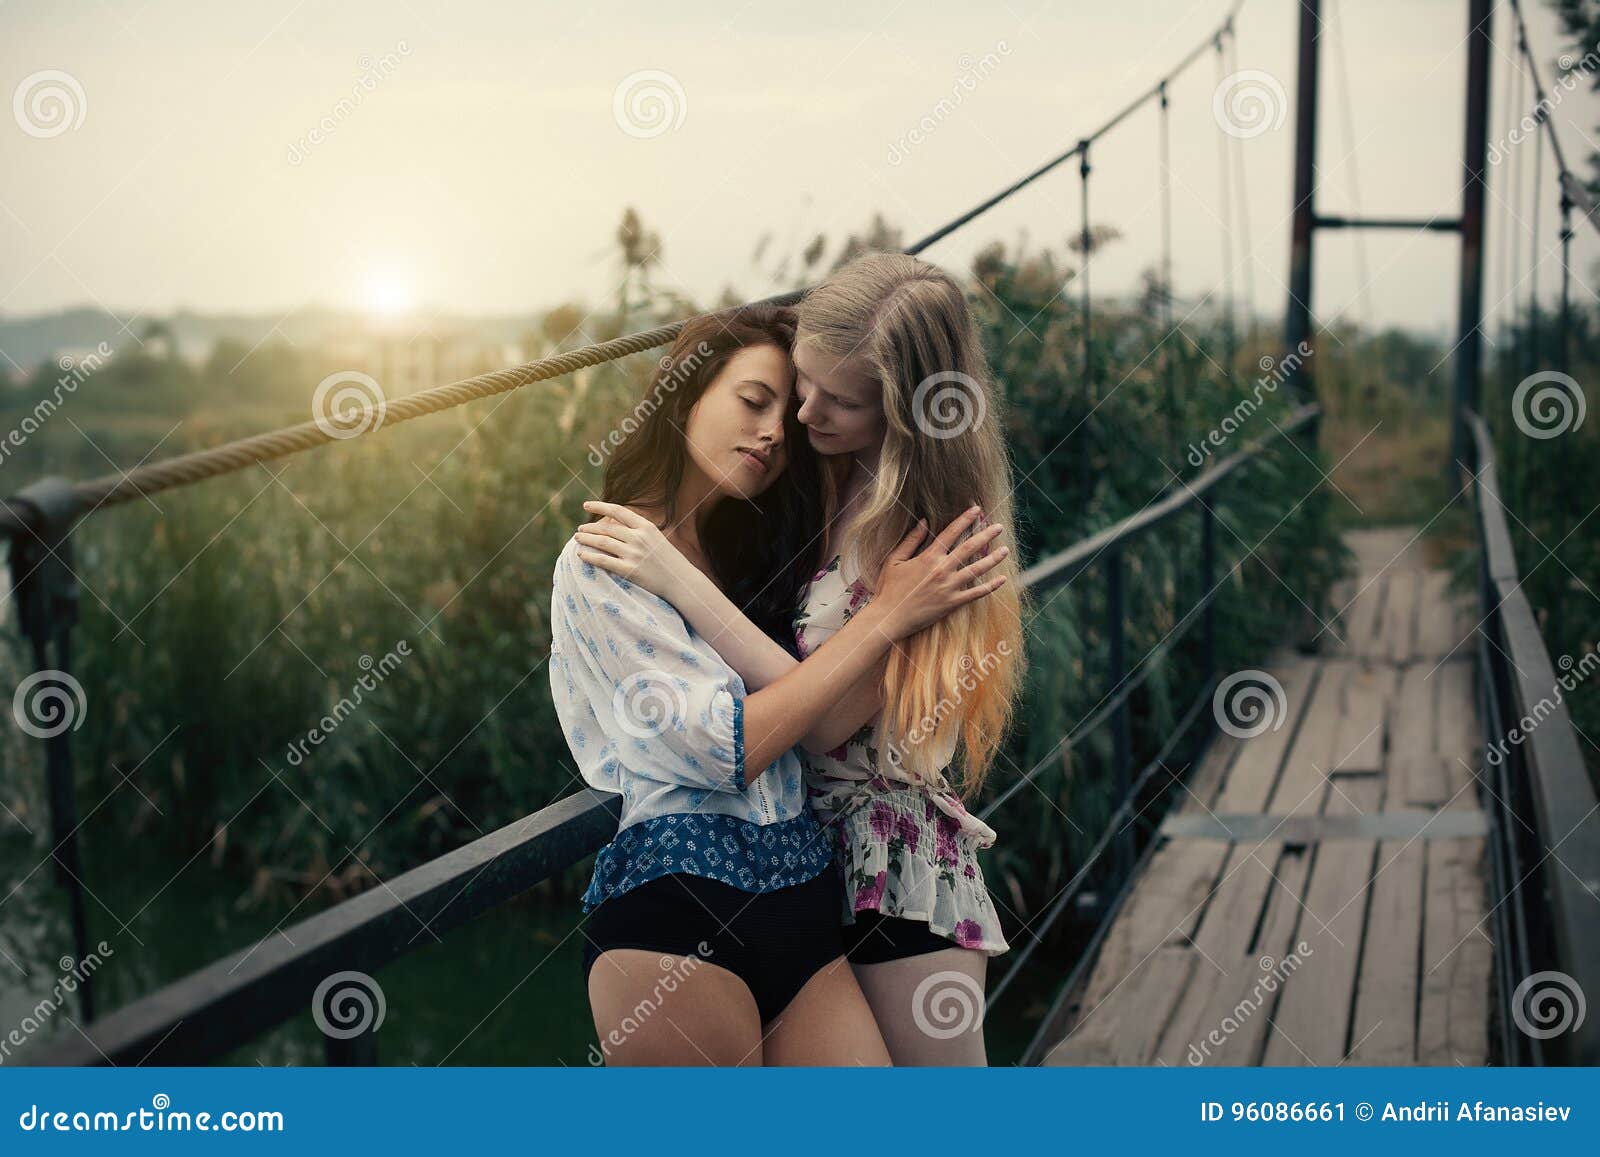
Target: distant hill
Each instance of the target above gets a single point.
(27, 341)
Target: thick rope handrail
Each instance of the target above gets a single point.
(201, 464)
(196, 466)
(184, 469)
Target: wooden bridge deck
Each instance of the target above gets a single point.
(1355, 830)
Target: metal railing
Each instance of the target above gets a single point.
(231, 1001)
(1545, 838)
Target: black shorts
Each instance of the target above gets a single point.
(875, 938)
(773, 941)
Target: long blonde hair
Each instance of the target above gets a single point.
(906, 323)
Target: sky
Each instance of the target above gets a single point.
(494, 147)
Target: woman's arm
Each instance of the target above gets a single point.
(914, 590)
(644, 555)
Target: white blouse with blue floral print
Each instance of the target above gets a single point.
(652, 712)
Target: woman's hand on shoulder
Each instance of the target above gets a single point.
(630, 546)
(917, 589)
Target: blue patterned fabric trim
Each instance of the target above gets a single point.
(738, 742)
(754, 857)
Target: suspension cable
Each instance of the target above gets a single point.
(185, 469)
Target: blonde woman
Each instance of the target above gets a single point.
(896, 396)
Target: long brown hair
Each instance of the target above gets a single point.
(760, 549)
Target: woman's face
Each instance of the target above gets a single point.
(840, 402)
(735, 431)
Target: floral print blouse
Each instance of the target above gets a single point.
(908, 848)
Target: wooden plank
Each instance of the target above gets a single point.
(1400, 618)
(1122, 1029)
(1225, 1012)
(1453, 1020)
(1413, 719)
(1419, 779)
(1304, 779)
(1314, 1005)
(1164, 907)
(1361, 617)
(1358, 744)
(1460, 738)
(1384, 1030)
(1438, 612)
(1207, 780)
(1255, 769)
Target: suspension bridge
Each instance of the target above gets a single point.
(1355, 882)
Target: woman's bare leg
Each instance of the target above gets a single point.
(655, 1008)
(930, 1007)
(827, 1023)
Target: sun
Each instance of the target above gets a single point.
(388, 294)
